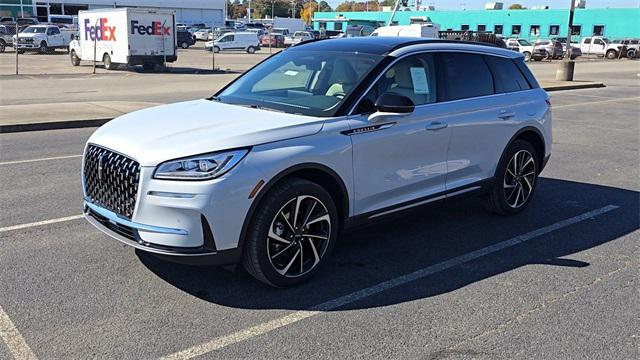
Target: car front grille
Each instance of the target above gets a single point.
(111, 180)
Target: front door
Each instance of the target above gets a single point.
(400, 158)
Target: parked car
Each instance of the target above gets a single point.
(527, 49)
(185, 39)
(218, 32)
(314, 140)
(575, 49)
(23, 23)
(273, 40)
(297, 38)
(359, 30)
(282, 31)
(601, 46)
(43, 39)
(247, 41)
(631, 47)
(6, 39)
(202, 34)
(552, 47)
(257, 31)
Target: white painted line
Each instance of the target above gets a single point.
(13, 339)
(594, 102)
(43, 159)
(263, 328)
(41, 223)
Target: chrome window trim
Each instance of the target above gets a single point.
(421, 49)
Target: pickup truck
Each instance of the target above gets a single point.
(529, 50)
(601, 46)
(297, 38)
(43, 39)
(5, 38)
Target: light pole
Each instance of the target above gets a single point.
(564, 71)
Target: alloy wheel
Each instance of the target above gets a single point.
(519, 179)
(298, 236)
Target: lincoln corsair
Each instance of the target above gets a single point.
(321, 137)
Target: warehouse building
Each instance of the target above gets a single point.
(528, 24)
(187, 11)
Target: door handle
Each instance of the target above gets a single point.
(506, 115)
(436, 125)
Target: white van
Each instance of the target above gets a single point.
(247, 41)
(429, 30)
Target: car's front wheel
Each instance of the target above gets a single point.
(291, 234)
(516, 179)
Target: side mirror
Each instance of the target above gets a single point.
(393, 103)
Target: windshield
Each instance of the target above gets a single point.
(301, 82)
(34, 30)
(524, 42)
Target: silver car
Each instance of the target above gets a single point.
(317, 139)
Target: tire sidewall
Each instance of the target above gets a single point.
(269, 206)
(498, 191)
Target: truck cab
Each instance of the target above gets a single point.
(42, 38)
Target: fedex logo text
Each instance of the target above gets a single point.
(156, 28)
(99, 32)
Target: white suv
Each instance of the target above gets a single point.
(316, 139)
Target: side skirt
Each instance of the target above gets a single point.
(369, 218)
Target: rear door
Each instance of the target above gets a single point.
(151, 33)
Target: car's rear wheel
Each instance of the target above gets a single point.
(516, 179)
(216, 49)
(251, 50)
(106, 59)
(184, 45)
(291, 234)
(75, 60)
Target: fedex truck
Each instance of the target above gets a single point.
(127, 36)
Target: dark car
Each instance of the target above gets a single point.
(185, 39)
(275, 40)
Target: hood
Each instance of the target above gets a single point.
(167, 132)
(30, 35)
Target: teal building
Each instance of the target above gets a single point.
(526, 24)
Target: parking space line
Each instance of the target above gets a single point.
(41, 159)
(266, 327)
(596, 102)
(40, 223)
(18, 347)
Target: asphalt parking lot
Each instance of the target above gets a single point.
(450, 281)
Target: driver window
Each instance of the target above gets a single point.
(413, 77)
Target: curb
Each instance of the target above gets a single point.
(589, 85)
(54, 125)
(76, 124)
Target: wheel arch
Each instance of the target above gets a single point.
(315, 172)
(531, 135)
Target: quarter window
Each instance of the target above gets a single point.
(507, 77)
(413, 77)
(464, 76)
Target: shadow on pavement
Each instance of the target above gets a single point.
(423, 238)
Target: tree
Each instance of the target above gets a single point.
(516, 7)
(308, 9)
(324, 6)
(370, 5)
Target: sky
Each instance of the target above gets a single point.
(479, 4)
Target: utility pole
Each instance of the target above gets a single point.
(393, 13)
(564, 71)
(15, 46)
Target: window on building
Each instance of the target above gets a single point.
(464, 27)
(535, 30)
(576, 30)
(598, 30)
(467, 76)
(515, 29)
(482, 27)
(554, 30)
(337, 26)
(497, 29)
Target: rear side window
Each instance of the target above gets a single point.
(464, 76)
(507, 77)
(533, 83)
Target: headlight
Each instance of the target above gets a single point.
(200, 167)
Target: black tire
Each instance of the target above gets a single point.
(269, 220)
(500, 199)
(631, 54)
(216, 49)
(612, 54)
(251, 50)
(20, 51)
(3, 45)
(43, 49)
(184, 45)
(106, 59)
(75, 60)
